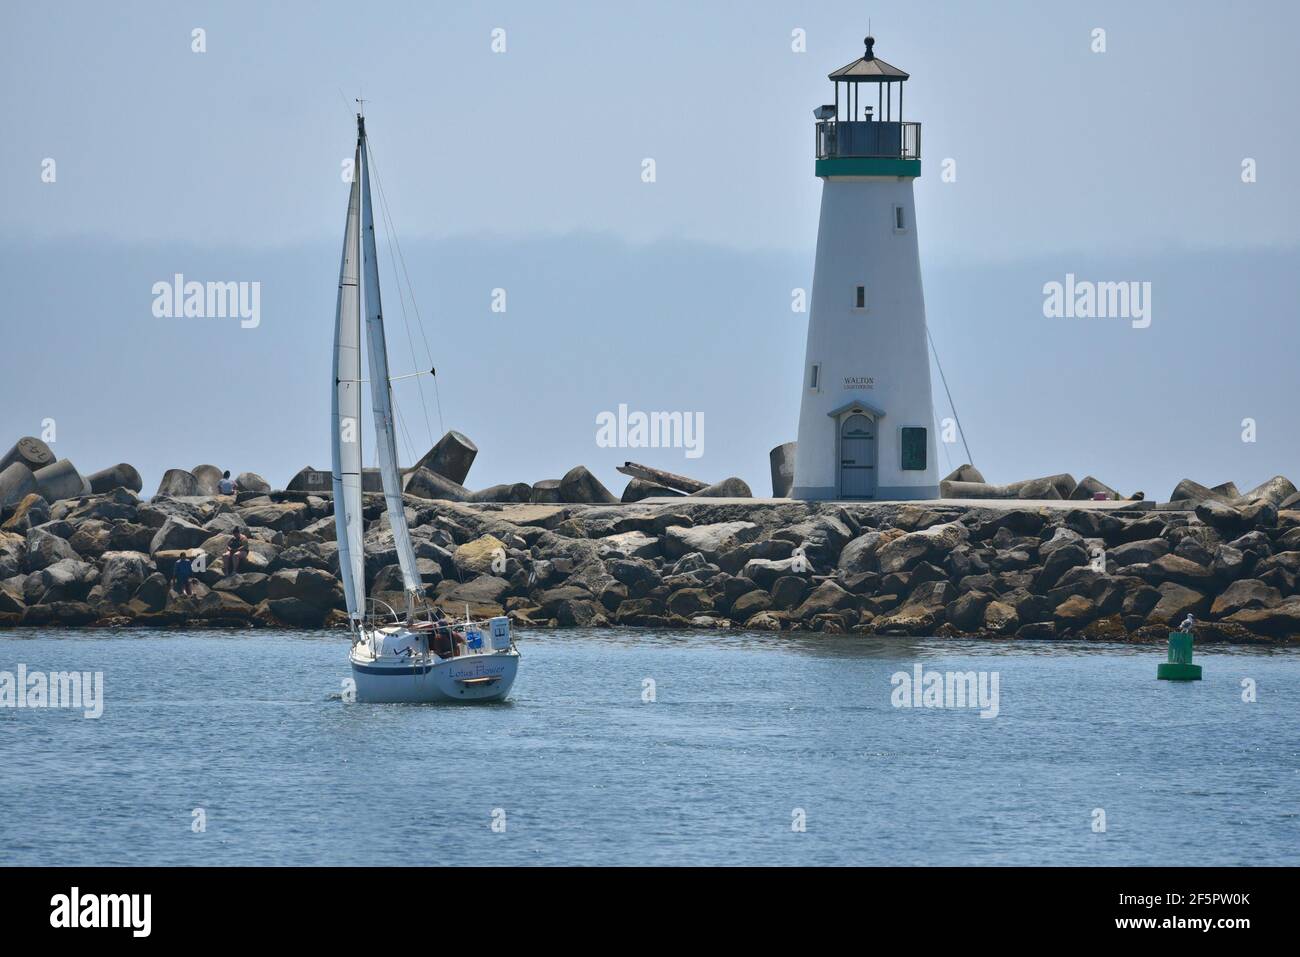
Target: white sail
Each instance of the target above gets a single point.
(346, 418)
(381, 397)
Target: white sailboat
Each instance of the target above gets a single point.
(412, 654)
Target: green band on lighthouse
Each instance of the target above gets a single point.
(868, 166)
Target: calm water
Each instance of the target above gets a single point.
(745, 729)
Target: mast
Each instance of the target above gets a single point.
(381, 395)
(345, 437)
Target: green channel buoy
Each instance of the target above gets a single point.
(1179, 667)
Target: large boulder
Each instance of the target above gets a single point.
(1189, 491)
(1244, 594)
(206, 477)
(30, 451)
(178, 483)
(178, 534)
(514, 492)
(44, 549)
(60, 480)
(1090, 488)
(1275, 491)
(278, 516)
(122, 574)
(546, 492)
(859, 555)
(484, 555)
(638, 489)
(710, 540)
(923, 611)
(68, 579)
(31, 511)
(425, 483)
(16, 482)
(122, 475)
(965, 473)
(580, 486)
(781, 460)
(908, 549)
(728, 488)
(251, 482)
(826, 597)
(1176, 603)
(309, 479)
(451, 457)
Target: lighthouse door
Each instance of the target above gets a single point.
(858, 457)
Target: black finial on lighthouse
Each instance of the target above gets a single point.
(869, 42)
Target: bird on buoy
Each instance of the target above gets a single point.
(1188, 624)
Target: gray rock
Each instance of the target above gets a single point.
(206, 477)
(1189, 491)
(1145, 550)
(764, 572)
(580, 486)
(425, 483)
(1247, 593)
(1275, 491)
(1090, 487)
(122, 475)
(826, 597)
(44, 549)
(30, 451)
(251, 482)
(711, 540)
(311, 479)
(728, 488)
(60, 480)
(637, 490)
(1176, 603)
(122, 574)
(178, 483)
(781, 460)
(178, 533)
(965, 473)
(516, 492)
(546, 492)
(451, 457)
(16, 482)
(907, 550)
(68, 579)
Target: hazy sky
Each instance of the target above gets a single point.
(522, 170)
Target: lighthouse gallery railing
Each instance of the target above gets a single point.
(853, 138)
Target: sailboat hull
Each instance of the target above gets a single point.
(469, 678)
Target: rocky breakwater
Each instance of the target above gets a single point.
(1040, 573)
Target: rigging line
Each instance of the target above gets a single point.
(396, 243)
(951, 404)
(401, 296)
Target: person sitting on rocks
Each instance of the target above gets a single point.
(236, 552)
(226, 486)
(182, 572)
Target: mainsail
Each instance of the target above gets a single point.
(381, 396)
(346, 418)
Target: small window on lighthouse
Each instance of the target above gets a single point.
(815, 377)
(860, 297)
(900, 219)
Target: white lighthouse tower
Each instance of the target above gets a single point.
(866, 422)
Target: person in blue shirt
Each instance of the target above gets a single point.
(182, 573)
(226, 486)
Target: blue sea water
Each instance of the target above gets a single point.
(747, 734)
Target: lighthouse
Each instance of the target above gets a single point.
(866, 419)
